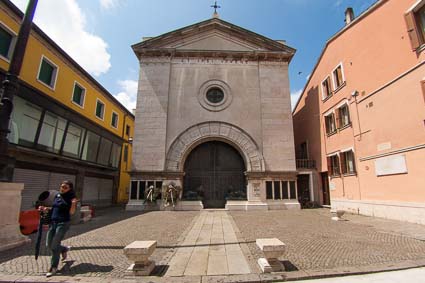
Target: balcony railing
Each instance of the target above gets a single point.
(306, 163)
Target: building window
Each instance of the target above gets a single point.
(343, 116)
(326, 88)
(280, 190)
(415, 20)
(333, 165)
(73, 141)
(7, 42)
(215, 95)
(104, 152)
(338, 77)
(347, 162)
(91, 146)
(100, 109)
(420, 18)
(125, 153)
(114, 120)
(330, 123)
(138, 188)
(127, 130)
(24, 122)
(52, 132)
(115, 155)
(304, 150)
(78, 95)
(47, 73)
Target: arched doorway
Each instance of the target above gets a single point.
(214, 171)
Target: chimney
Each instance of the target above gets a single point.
(349, 15)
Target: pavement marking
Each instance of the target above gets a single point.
(210, 248)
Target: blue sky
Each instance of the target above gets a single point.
(98, 34)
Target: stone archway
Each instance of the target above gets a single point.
(199, 133)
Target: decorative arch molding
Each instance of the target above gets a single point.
(197, 134)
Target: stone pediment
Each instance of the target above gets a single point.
(213, 41)
(215, 37)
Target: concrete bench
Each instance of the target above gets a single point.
(272, 248)
(139, 252)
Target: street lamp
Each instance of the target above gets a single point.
(10, 88)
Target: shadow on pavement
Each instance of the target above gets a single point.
(289, 266)
(82, 268)
(104, 216)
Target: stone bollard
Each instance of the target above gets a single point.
(273, 249)
(139, 252)
(338, 214)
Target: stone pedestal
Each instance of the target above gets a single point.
(139, 252)
(10, 203)
(273, 249)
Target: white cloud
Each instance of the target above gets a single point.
(67, 27)
(128, 94)
(294, 97)
(108, 4)
(338, 3)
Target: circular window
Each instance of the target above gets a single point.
(215, 95)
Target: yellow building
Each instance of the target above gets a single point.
(64, 124)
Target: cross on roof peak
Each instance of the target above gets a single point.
(215, 6)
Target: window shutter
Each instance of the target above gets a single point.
(5, 42)
(329, 161)
(411, 30)
(338, 118)
(339, 74)
(423, 89)
(328, 81)
(354, 162)
(337, 169)
(327, 124)
(343, 163)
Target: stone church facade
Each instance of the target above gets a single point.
(214, 117)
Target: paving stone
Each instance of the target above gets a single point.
(315, 246)
(97, 245)
(315, 242)
(252, 278)
(217, 264)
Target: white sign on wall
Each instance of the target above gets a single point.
(389, 165)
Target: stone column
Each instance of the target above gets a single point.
(10, 203)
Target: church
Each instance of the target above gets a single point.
(214, 118)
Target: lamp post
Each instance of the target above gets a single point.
(10, 88)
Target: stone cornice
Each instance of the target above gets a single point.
(167, 54)
(276, 175)
(209, 25)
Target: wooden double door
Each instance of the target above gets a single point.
(214, 172)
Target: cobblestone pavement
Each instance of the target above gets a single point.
(316, 245)
(97, 246)
(315, 242)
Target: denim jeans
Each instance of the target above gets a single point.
(55, 235)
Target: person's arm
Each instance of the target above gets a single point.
(73, 206)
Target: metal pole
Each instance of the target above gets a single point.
(10, 88)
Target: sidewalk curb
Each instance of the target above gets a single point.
(245, 278)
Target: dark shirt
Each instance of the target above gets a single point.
(61, 206)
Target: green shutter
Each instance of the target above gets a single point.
(46, 73)
(99, 110)
(5, 42)
(114, 119)
(77, 96)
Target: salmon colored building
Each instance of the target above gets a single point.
(361, 116)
